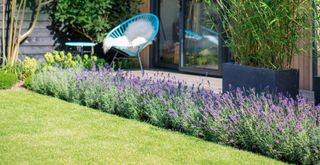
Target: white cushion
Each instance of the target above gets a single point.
(136, 34)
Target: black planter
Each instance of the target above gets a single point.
(316, 89)
(261, 79)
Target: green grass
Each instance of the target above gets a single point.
(36, 129)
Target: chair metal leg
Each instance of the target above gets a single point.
(82, 52)
(141, 67)
(114, 57)
(92, 50)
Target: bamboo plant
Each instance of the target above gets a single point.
(16, 15)
(264, 33)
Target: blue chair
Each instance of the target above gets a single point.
(119, 31)
(193, 35)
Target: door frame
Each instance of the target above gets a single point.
(155, 51)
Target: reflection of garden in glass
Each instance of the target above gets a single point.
(201, 48)
(205, 58)
(169, 44)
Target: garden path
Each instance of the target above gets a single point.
(212, 83)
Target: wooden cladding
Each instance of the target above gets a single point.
(145, 8)
(41, 39)
(304, 64)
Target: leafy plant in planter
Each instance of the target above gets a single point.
(264, 34)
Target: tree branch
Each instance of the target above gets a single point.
(81, 32)
(47, 2)
(40, 4)
(35, 20)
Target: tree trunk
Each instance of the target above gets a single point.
(3, 32)
(15, 38)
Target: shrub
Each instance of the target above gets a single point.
(7, 79)
(17, 69)
(29, 67)
(63, 60)
(23, 69)
(93, 19)
(27, 82)
(90, 62)
(264, 33)
(60, 59)
(125, 63)
(315, 146)
(276, 126)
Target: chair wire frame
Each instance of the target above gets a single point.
(119, 31)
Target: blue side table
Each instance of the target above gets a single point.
(81, 45)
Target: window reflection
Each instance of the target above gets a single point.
(201, 40)
(169, 32)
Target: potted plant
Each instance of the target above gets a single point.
(263, 37)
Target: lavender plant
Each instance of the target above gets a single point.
(276, 126)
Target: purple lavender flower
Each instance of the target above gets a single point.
(172, 113)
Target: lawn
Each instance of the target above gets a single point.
(36, 129)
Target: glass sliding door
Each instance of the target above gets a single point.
(189, 39)
(201, 38)
(169, 40)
